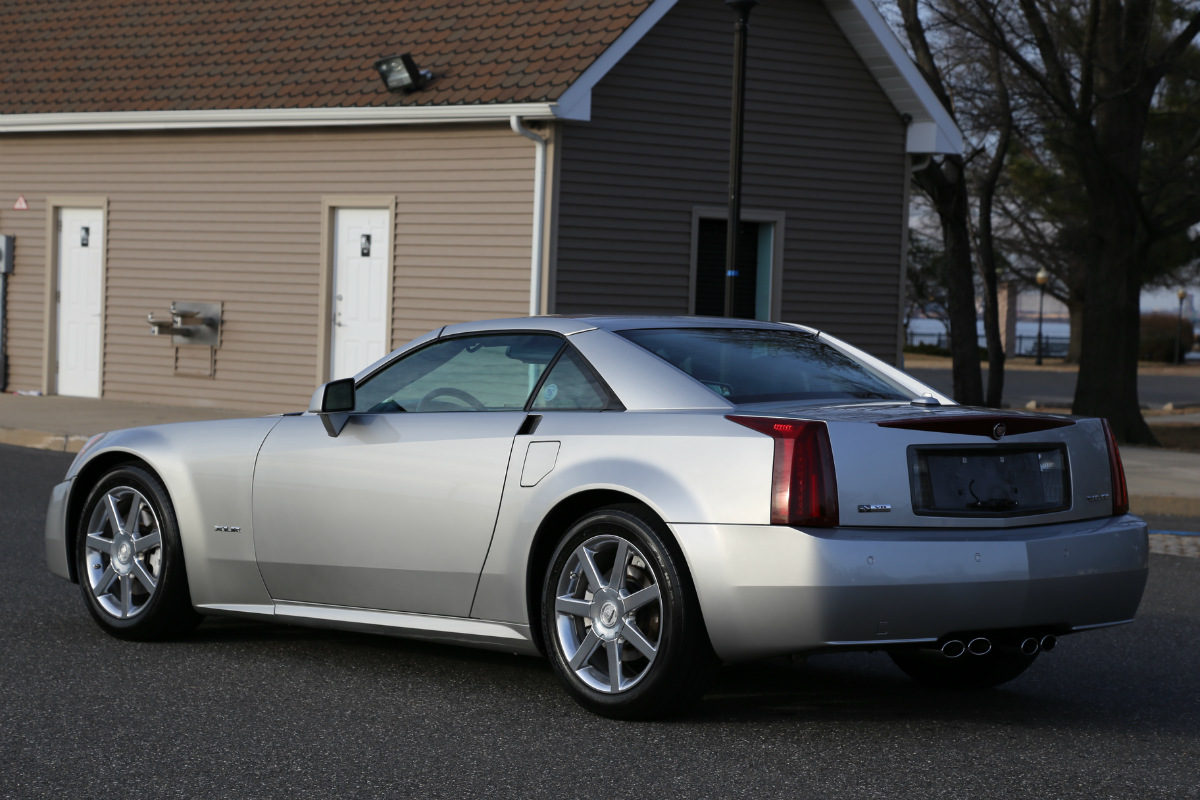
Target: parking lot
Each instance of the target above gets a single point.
(254, 710)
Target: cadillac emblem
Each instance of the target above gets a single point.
(999, 431)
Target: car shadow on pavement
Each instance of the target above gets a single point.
(1074, 689)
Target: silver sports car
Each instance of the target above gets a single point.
(637, 498)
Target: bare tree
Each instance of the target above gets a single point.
(1097, 70)
(945, 183)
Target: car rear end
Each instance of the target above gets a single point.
(896, 518)
(903, 525)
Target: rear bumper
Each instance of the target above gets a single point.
(770, 590)
(57, 558)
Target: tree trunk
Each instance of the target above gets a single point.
(995, 350)
(1109, 150)
(1108, 362)
(1075, 312)
(953, 209)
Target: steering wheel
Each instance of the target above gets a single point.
(450, 391)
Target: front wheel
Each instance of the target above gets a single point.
(620, 619)
(130, 559)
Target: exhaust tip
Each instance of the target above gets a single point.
(953, 648)
(1048, 643)
(1029, 646)
(980, 646)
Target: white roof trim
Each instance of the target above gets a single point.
(273, 117)
(932, 129)
(576, 101)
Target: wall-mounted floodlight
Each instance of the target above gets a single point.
(401, 73)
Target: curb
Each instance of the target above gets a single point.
(43, 440)
(1168, 545)
(1169, 505)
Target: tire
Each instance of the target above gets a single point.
(130, 560)
(631, 643)
(967, 671)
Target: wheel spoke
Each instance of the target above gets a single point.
(144, 577)
(586, 648)
(126, 596)
(147, 542)
(114, 516)
(106, 579)
(97, 542)
(135, 511)
(587, 563)
(614, 665)
(569, 605)
(639, 641)
(641, 598)
(617, 577)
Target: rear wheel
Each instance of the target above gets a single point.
(129, 558)
(621, 620)
(967, 671)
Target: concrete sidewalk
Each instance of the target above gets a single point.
(66, 423)
(1160, 481)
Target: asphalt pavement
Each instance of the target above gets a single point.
(255, 710)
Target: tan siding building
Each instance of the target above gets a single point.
(337, 220)
(236, 218)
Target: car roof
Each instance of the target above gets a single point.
(576, 323)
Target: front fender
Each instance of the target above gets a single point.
(208, 470)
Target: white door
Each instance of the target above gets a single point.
(361, 292)
(80, 264)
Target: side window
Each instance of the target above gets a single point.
(571, 385)
(491, 372)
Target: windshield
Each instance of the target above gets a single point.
(762, 366)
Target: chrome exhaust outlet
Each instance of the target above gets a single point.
(980, 646)
(1047, 643)
(953, 648)
(1029, 646)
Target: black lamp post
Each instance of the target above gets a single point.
(740, 29)
(1182, 295)
(1043, 278)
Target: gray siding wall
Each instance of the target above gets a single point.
(236, 217)
(823, 145)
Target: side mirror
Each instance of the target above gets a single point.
(333, 401)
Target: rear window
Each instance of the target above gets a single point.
(762, 366)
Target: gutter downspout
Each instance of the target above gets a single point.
(539, 213)
(3, 331)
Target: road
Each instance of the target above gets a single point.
(1057, 389)
(260, 711)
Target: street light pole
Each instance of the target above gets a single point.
(1182, 295)
(737, 123)
(1043, 278)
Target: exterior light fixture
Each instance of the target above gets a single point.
(401, 72)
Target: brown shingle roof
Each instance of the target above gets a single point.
(159, 55)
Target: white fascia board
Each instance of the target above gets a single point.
(576, 101)
(271, 118)
(932, 129)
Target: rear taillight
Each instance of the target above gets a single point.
(1120, 492)
(803, 487)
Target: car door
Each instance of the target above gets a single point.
(397, 511)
